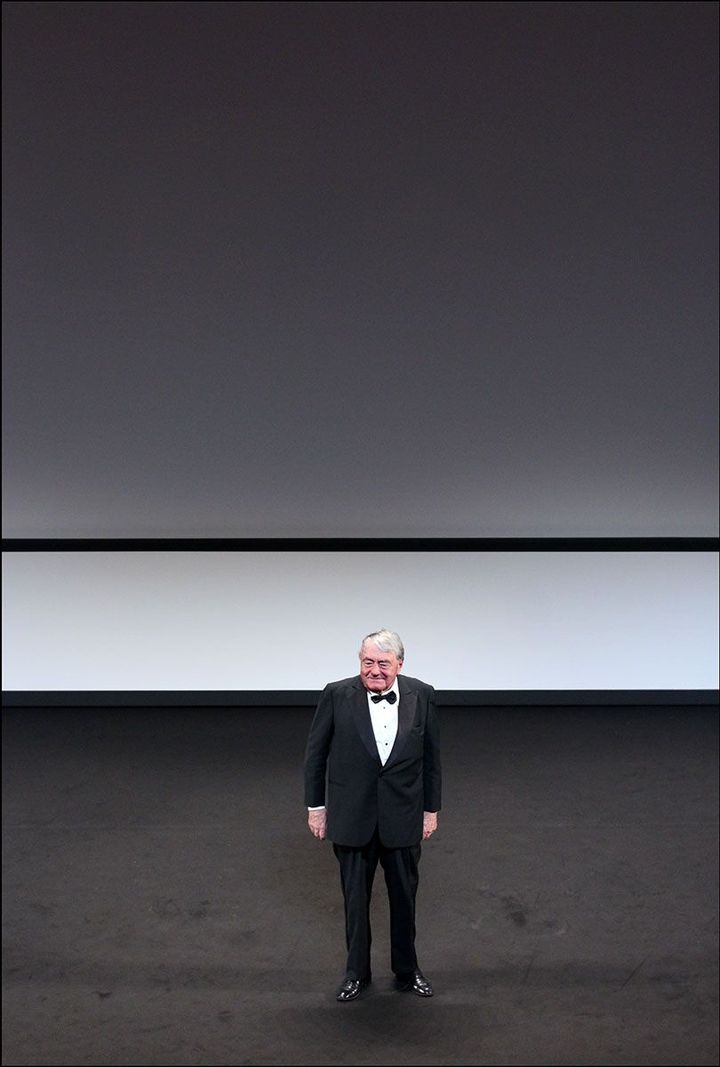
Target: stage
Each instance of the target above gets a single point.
(166, 904)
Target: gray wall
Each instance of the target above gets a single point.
(395, 269)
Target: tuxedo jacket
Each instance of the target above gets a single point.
(361, 792)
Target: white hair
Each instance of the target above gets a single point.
(386, 641)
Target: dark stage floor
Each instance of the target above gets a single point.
(165, 903)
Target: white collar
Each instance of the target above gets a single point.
(394, 688)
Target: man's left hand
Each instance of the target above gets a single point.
(429, 823)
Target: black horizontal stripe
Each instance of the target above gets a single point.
(309, 697)
(361, 544)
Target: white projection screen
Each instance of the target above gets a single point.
(292, 620)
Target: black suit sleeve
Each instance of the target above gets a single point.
(318, 747)
(432, 774)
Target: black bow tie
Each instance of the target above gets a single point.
(391, 697)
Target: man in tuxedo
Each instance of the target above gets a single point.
(376, 735)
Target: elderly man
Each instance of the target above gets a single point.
(376, 735)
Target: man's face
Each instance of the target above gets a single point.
(378, 670)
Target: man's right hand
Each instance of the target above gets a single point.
(317, 821)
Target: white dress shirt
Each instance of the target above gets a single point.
(384, 719)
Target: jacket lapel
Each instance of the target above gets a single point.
(361, 715)
(406, 717)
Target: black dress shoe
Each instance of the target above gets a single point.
(351, 988)
(415, 983)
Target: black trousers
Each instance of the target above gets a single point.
(357, 871)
